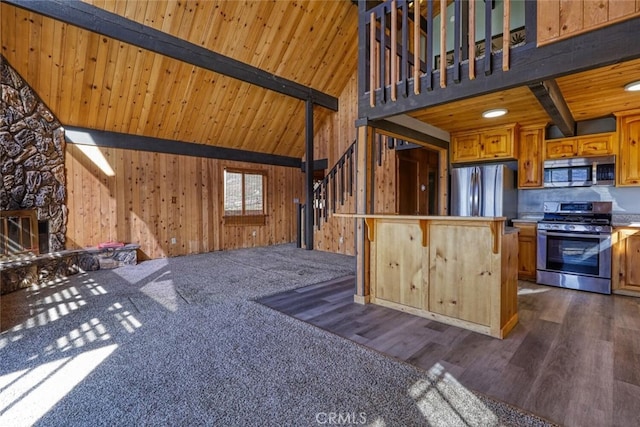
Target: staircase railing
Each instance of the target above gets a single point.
(338, 184)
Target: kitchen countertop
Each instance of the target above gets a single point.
(510, 230)
(517, 220)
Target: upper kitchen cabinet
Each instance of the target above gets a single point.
(629, 149)
(581, 146)
(530, 157)
(498, 143)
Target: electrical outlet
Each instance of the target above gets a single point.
(341, 240)
(173, 240)
(254, 233)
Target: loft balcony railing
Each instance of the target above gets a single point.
(417, 46)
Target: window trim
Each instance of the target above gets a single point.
(31, 215)
(244, 218)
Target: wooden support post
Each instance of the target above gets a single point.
(308, 223)
(364, 148)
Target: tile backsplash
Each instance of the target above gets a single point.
(626, 200)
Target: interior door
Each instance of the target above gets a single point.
(408, 196)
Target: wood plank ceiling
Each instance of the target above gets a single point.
(92, 81)
(590, 94)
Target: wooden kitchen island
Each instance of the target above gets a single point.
(461, 271)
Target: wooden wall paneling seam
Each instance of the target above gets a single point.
(571, 16)
(83, 80)
(119, 194)
(196, 225)
(146, 211)
(164, 201)
(294, 128)
(142, 73)
(10, 31)
(249, 131)
(92, 109)
(119, 87)
(147, 103)
(290, 58)
(618, 9)
(45, 70)
(168, 85)
(238, 110)
(69, 164)
(595, 12)
(180, 97)
(130, 92)
(58, 37)
(37, 43)
(106, 87)
(328, 22)
(66, 75)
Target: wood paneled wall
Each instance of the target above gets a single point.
(559, 19)
(152, 198)
(335, 133)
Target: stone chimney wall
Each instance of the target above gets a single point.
(32, 155)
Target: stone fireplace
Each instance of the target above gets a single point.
(32, 151)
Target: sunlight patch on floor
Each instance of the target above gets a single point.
(442, 397)
(27, 395)
(163, 292)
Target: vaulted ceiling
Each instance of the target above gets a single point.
(93, 81)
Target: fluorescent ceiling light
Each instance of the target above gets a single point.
(632, 87)
(494, 113)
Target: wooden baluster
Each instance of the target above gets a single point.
(394, 53)
(372, 60)
(443, 43)
(342, 182)
(404, 69)
(456, 41)
(472, 40)
(488, 6)
(416, 47)
(506, 34)
(429, 42)
(383, 54)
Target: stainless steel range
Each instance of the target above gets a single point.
(574, 246)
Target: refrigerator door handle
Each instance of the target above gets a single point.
(475, 192)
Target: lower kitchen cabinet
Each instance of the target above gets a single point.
(527, 246)
(625, 273)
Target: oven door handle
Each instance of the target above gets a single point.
(578, 234)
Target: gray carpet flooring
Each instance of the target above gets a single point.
(181, 341)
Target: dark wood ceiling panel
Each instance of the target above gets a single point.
(93, 81)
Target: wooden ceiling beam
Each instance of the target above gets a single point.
(550, 97)
(77, 135)
(100, 21)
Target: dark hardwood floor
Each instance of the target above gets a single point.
(573, 358)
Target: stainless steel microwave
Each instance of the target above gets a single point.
(580, 172)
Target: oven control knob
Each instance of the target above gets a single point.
(598, 228)
(571, 227)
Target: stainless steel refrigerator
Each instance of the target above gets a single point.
(488, 190)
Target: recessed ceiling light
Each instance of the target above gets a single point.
(632, 87)
(494, 113)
